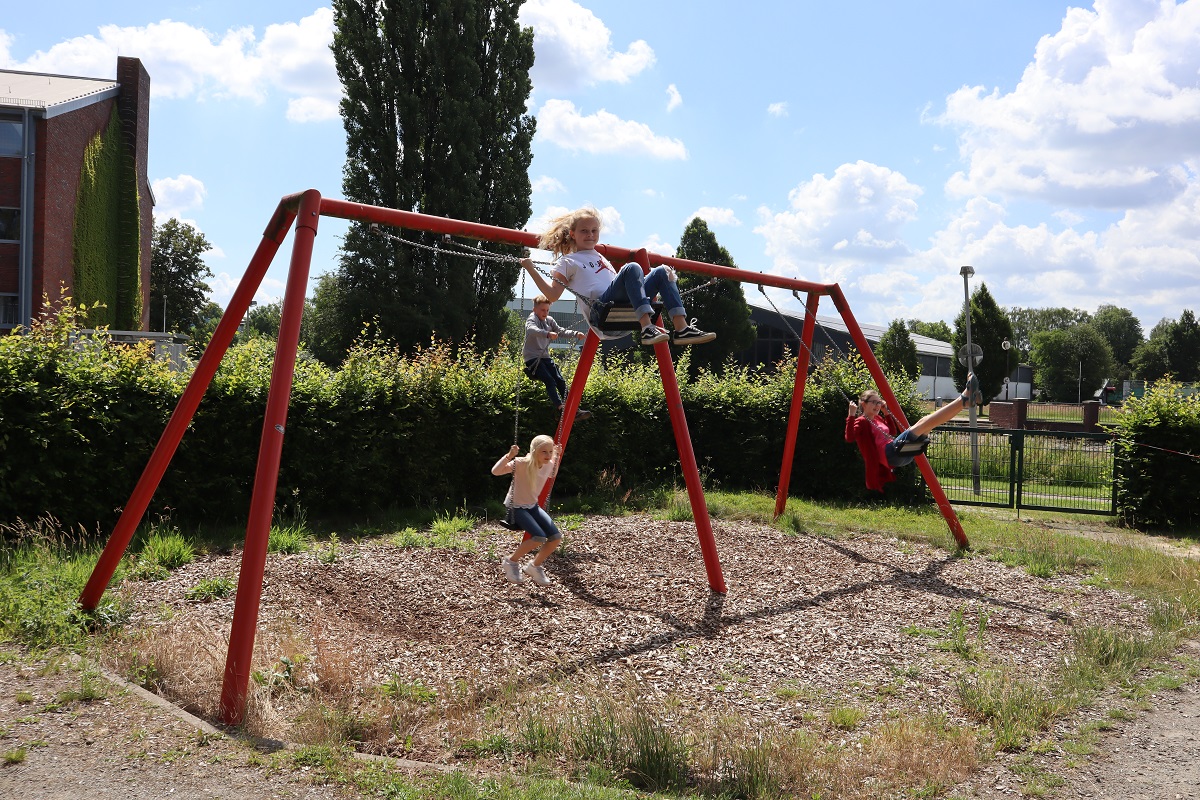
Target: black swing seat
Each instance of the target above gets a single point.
(614, 317)
(913, 447)
(509, 520)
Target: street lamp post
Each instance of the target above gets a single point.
(971, 364)
(1005, 345)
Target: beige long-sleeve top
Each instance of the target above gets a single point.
(522, 493)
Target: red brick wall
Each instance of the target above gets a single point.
(61, 141)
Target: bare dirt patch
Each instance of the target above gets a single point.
(809, 623)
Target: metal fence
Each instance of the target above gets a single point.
(1048, 470)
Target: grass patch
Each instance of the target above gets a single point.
(211, 589)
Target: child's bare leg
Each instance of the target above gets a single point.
(545, 552)
(527, 547)
(944, 414)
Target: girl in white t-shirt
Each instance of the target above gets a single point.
(573, 237)
(529, 476)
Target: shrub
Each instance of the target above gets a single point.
(1157, 472)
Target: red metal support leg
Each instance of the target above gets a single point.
(687, 457)
(789, 443)
(185, 409)
(574, 397)
(266, 479)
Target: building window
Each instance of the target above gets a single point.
(10, 137)
(10, 224)
(8, 311)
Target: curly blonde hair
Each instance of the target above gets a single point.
(557, 237)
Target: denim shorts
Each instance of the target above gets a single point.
(897, 459)
(537, 523)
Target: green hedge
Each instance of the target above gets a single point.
(79, 419)
(1158, 458)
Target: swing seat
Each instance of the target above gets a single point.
(509, 521)
(614, 317)
(912, 447)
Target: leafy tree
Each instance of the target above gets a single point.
(321, 327)
(896, 351)
(1150, 362)
(434, 112)
(990, 326)
(1183, 347)
(177, 273)
(1121, 329)
(1173, 349)
(204, 325)
(934, 330)
(1069, 365)
(263, 321)
(721, 307)
(1028, 321)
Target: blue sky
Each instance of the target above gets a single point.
(876, 144)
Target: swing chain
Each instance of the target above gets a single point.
(449, 246)
(798, 338)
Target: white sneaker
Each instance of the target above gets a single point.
(512, 570)
(536, 574)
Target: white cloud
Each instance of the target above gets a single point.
(656, 244)
(1147, 262)
(561, 123)
(292, 58)
(856, 214)
(574, 48)
(223, 286)
(674, 98)
(778, 109)
(714, 216)
(544, 183)
(173, 196)
(1103, 117)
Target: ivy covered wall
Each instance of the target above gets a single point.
(108, 230)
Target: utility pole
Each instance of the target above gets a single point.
(970, 360)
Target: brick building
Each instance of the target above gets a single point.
(46, 124)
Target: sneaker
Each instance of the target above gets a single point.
(580, 413)
(971, 395)
(512, 570)
(536, 574)
(652, 334)
(692, 335)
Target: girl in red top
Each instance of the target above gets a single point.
(877, 433)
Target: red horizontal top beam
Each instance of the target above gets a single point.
(344, 209)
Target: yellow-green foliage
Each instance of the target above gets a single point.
(107, 243)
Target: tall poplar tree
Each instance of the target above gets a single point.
(897, 353)
(434, 112)
(721, 307)
(990, 326)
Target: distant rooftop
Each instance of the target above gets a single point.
(52, 94)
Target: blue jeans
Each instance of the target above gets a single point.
(896, 459)
(546, 371)
(537, 523)
(630, 287)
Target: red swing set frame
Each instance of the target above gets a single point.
(305, 209)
